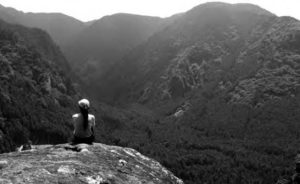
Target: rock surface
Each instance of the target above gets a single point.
(93, 164)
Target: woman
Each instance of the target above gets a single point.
(84, 124)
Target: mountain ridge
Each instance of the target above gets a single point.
(61, 27)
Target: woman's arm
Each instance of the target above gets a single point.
(92, 129)
(93, 124)
(74, 117)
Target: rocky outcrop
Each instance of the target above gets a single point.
(94, 164)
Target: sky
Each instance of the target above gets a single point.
(86, 10)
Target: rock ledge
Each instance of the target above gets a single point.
(92, 164)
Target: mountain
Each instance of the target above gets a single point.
(98, 163)
(36, 95)
(165, 57)
(214, 96)
(102, 44)
(62, 28)
(92, 48)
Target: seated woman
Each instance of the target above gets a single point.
(84, 124)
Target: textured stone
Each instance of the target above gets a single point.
(95, 164)
(3, 164)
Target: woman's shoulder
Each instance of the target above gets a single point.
(91, 116)
(75, 116)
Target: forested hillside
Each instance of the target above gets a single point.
(214, 96)
(36, 95)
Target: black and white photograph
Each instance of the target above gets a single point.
(149, 92)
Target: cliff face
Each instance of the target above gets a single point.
(98, 163)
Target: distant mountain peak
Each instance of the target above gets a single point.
(232, 7)
(61, 27)
(124, 17)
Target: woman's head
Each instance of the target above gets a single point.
(84, 106)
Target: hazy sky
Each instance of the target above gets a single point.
(86, 10)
